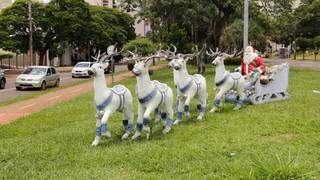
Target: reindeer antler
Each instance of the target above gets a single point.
(150, 57)
(97, 57)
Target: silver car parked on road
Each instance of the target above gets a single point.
(38, 77)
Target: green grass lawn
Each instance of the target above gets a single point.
(280, 140)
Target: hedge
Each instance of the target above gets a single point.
(5, 54)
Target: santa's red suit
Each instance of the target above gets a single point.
(252, 61)
(257, 63)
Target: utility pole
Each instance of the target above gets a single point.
(246, 24)
(30, 33)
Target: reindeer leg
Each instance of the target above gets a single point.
(127, 122)
(217, 100)
(202, 110)
(179, 111)
(104, 126)
(146, 120)
(186, 106)
(240, 91)
(169, 117)
(137, 134)
(98, 130)
(157, 114)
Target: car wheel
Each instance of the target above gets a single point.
(43, 86)
(73, 77)
(18, 88)
(2, 84)
(57, 83)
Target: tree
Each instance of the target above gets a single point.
(14, 28)
(205, 20)
(308, 19)
(304, 44)
(71, 23)
(316, 45)
(109, 26)
(144, 46)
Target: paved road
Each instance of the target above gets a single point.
(312, 65)
(10, 91)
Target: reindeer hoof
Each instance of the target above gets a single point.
(136, 135)
(176, 122)
(188, 115)
(106, 134)
(166, 130)
(237, 108)
(157, 120)
(96, 142)
(125, 136)
(200, 117)
(213, 110)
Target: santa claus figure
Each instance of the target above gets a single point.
(251, 63)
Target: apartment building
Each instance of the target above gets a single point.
(141, 28)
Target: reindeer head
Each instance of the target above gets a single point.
(180, 61)
(219, 60)
(102, 62)
(97, 69)
(142, 65)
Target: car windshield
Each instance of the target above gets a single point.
(35, 71)
(83, 65)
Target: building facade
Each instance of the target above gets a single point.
(141, 28)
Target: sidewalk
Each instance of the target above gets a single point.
(15, 111)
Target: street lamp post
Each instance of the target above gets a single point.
(246, 24)
(30, 34)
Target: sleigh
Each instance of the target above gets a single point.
(275, 90)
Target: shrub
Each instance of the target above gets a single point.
(233, 61)
(5, 54)
(144, 46)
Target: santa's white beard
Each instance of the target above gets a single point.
(248, 58)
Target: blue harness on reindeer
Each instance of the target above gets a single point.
(159, 87)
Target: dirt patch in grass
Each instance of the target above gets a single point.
(279, 137)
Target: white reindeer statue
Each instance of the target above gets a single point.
(109, 100)
(226, 81)
(152, 95)
(188, 87)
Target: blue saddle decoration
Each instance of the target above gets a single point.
(119, 89)
(186, 87)
(148, 97)
(105, 103)
(220, 83)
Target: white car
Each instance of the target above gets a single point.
(81, 69)
(38, 77)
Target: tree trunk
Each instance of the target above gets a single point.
(303, 55)
(41, 58)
